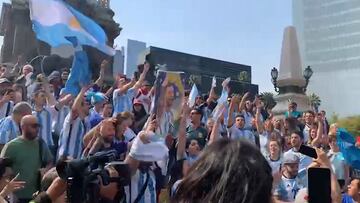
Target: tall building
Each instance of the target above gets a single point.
(133, 50)
(329, 39)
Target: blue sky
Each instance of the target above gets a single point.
(240, 31)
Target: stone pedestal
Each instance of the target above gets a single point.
(290, 81)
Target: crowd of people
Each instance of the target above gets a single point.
(244, 155)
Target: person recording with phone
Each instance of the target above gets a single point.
(322, 186)
(7, 103)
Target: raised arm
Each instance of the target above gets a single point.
(144, 137)
(259, 124)
(212, 95)
(101, 78)
(63, 101)
(139, 83)
(215, 132)
(243, 101)
(233, 104)
(126, 87)
(182, 132)
(50, 97)
(78, 102)
(319, 133)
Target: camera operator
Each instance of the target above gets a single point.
(53, 188)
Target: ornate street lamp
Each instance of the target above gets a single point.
(307, 75)
(308, 72)
(274, 76)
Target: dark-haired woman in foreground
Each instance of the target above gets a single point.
(227, 171)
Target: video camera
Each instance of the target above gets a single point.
(83, 184)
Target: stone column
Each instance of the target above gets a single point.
(290, 80)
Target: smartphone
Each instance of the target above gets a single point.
(319, 185)
(308, 151)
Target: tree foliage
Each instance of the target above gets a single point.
(268, 99)
(351, 124)
(315, 101)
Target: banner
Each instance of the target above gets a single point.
(167, 101)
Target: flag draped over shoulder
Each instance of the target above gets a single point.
(346, 143)
(54, 21)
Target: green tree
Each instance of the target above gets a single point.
(268, 99)
(351, 124)
(315, 101)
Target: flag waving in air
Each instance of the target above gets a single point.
(54, 21)
(57, 23)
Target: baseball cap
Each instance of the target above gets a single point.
(290, 158)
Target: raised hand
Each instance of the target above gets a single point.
(146, 67)
(7, 97)
(247, 95)
(104, 64)
(12, 186)
(226, 82)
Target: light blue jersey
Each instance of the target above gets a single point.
(45, 118)
(71, 137)
(9, 130)
(287, 189)
(236, 133)
(123, 102)
(58, 122)
(6, 109)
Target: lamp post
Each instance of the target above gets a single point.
(308, 72)
(274, 76)
(307, 75)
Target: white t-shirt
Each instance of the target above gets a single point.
(306, 133)
(274, 164)
(264, 143)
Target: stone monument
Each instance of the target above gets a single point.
(19, 39)
(289, 81)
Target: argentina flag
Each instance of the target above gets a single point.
(346, 143)
(54, 21)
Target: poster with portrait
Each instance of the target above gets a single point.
(167, 101)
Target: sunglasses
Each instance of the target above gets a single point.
(35, 125)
